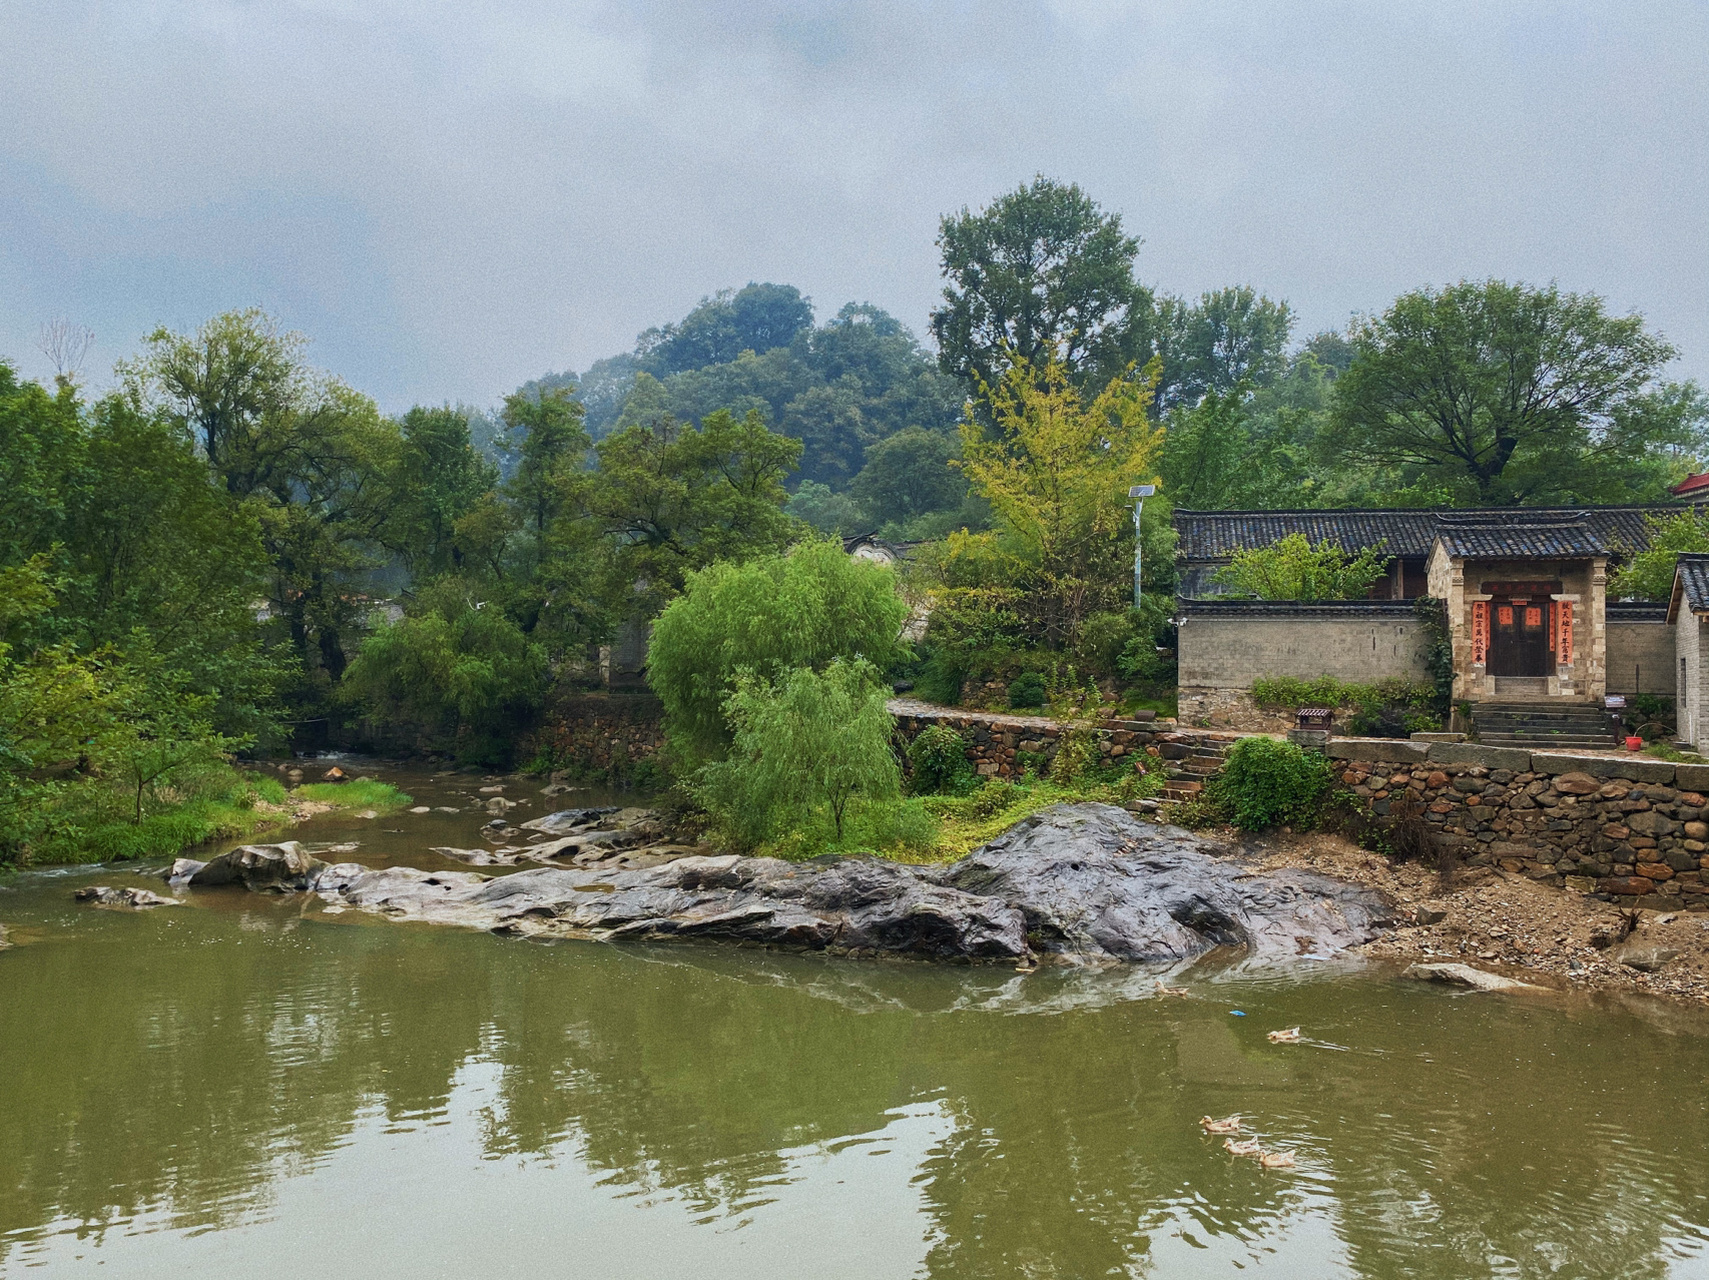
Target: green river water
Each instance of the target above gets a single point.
(244, 1086)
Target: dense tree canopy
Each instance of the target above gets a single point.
(837, 388)
(1490, 392)
(1044, 273)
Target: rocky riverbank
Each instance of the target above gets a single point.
(1075, 882)
(1506, 922)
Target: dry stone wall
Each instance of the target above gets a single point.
(1634, 830)
(602, 735)
(1002, 746)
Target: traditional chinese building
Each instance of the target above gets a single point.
(1524, 606)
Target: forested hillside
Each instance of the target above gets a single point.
(234, 551)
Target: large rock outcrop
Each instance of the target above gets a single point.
(1078, 881)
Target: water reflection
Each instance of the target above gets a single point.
(244, 1082)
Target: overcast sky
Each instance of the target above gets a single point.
(452, 197)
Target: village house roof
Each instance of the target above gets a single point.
(1475, 536)
(1214, 536)
(1690, 585)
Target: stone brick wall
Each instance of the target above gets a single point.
(997, 741)
(1208, 708)
(602, 734)
(1633, 829)
(1227, 644)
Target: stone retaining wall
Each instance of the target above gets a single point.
(998, 744)
(602, 735)
(1633, 829)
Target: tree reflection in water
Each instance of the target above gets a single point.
(185, 1065)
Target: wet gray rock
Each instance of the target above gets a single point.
(182, 869)
(102, 895)
(267, 868)
(1093, 881)
(567, 820)
(1087, 882)
(1463, 975)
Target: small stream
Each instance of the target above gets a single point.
(246, 1086)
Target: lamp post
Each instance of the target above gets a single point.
(1139, 493)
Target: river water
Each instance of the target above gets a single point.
(247, 1086)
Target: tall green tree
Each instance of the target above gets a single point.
(1229, 338)
(671, 499)
(440, 478)
(909, 475)
(1056, 467)
(1042, 272)
(1503, 393)
(548, 435)
(307, 455)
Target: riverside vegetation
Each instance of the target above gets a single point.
(207, 560)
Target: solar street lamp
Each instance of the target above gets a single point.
(1139, 493)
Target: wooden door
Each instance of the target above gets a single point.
(1519, 638)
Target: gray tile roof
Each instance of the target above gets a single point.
(1484, 538)
(1410, 533)
(1691, 581)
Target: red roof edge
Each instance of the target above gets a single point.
(1691, 483)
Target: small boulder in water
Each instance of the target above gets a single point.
(267, 868)
(565, 821)
(1463, 975)
(335, 774)
(105, 896)
(182, 869)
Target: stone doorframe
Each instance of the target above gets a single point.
(1585, 677)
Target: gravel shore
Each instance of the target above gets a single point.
(1508, 924)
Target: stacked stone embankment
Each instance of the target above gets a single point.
(1634, 830)
(1005, 746)
(602, 734)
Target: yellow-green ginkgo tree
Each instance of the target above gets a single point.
(1056, 467)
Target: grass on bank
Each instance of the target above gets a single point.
(942, 828)
(358, 793)
(90, 822)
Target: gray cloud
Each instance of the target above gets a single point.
(453, 198)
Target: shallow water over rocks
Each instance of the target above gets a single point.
(247, 1085)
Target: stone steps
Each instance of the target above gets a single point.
(1544, 727)
(1192, 761)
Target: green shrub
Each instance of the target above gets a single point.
(1293, 569)
(1386, 708)
(1267, 782)
(1027, 690)
(456, 675)
(1102, 639)
(937, 761)
(994, 796)
(359, 793)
